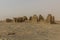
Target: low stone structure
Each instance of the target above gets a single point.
(53, 19)
(34, 18)
(41, 18)
(50, 19)
(30, 18)
(20, 19)
(25, 18)
(9, 20)
(15, 19)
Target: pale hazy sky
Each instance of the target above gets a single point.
(12, 8)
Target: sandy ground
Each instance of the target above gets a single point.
(28, 31)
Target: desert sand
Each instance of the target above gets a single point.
(29, 31)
